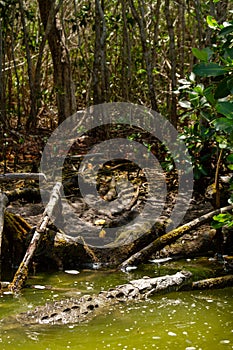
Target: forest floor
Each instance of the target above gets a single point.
(22, 153)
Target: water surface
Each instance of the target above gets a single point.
(178, 320)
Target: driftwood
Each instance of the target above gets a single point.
(169, 238)
(214, 283)
(3, 203)
(22, 272)
(22, 176)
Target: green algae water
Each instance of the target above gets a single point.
(179, 320)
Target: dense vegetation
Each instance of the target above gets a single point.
(176, 57)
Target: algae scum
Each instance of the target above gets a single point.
(178, 320)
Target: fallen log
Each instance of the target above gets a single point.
(170, 237)
(85, 308)
(22, 272)
(27, 194)
(213, 283)
(22, 176)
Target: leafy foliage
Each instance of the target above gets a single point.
(210, 104)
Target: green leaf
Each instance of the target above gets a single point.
(141, 71)
(223, 88)
(229, 52)
(192, 77)
(225, 31)
(185, 104)
(225, 108)
(230, 158)
(230, 166)
(230, 85)
(224, 124)
(223, 145)
(209, 69)
(199, 89)
(222, 217)
(200, 54)
(208, 93)
(216, 224)
(212, 23)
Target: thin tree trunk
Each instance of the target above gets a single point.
(33, 109)
(222, 10)
(156, 33)
(100, 74)
(3, 203)
(62, 72)
(2, 81)
(146, 49)
(17, 79)
(38, 68)
(172, 54)
(200, 23)
(181, 37)
(126, 56)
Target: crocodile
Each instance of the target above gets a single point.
(84, 308)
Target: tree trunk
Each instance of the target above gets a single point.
(100, 73)
(2, 80)
(62, 72)
(33, 95)
(139, 17)
(126, 55)
(3, 203)
(172, 55)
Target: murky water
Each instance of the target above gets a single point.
(182, 320)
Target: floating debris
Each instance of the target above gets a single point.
(8, 293)
(129, 268)
(160, 261)
(72, 272)
(38, 286)
(172, 334)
